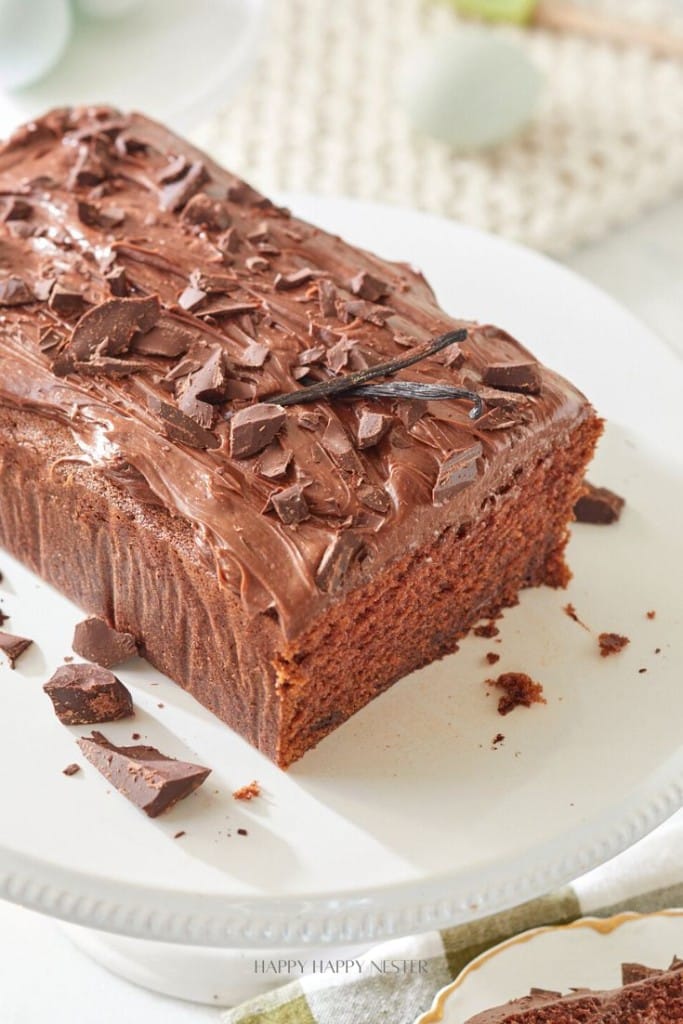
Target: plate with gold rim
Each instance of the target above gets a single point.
(587, 953)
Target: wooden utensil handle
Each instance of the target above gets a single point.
(568, 17)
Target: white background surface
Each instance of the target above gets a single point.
(41, 977)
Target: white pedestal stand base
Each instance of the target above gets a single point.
(219, 977)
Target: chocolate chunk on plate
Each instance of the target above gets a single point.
(148, 778)
(13, 646)
(598, 505)
(86, 694)
(97, 641)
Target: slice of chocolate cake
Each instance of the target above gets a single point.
(647, 996)
(268, 456)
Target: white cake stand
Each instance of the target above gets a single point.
(406, 818)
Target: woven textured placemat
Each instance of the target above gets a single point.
(319, 114)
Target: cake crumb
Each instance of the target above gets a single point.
(658, 650)
(242, 832)
(498, 738)
(570, 610)
(492, 657)
(135, 735)
(180, 834)
(611, 643)
(248, 792)
(488, 630)
(641, 670)
(520, 690)
(68, 659)
(71, 769)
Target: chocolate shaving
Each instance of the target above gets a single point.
(95, 217)
(274, 462)
(224, 307)
(176, 193)
(374, 498)
(286, 282)
(110, 327)
(168, 338)
(327, 297)
(118, 282)
(337, 560)
(206, 212)
(253, 356)
(179, 427)
(15, 292)
(368, 287)
(13, 647)
(16, 209)
(190, 298)
(359, 309)
(356, 384)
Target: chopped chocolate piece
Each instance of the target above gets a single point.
(520, 690)
(88, 169)
(110, 367)
(16, 209)
(242, 832)
(497, 739)
(456, 471)
(372, 427)
(191, 298)
(229, 242)
(508, 376)
(176, 193)
(93, 216)
(324, 334)
(97, 641)
(375, 498)
(285, 282)
(207, 213)
(13, 647)
(213, 284)
(109, 327)
(85, 694)
(369, 287)
(253, 428)
(290, 504)
(492, 657)
(180, 427)
(311, 355)
(650, 615)
(148, 778)
(248, 792)
(488, 630)
(3, 616)
(411, 412)
(49, 338)
(66, 302)
(598, 505)
(118, 282)
(209, 382)
(15, 292)
(337, 560)
(71, 769)
(168, 338)
(180, 834)
(611, 643)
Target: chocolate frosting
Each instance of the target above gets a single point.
(149, 297)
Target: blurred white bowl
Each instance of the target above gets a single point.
(33, 36)
(174, 60)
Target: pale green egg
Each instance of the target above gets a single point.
(470, 88)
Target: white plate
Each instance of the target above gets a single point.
(179, 59)
(586, 954)
(405, 817)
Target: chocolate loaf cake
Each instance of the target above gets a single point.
(648, 996)
(210, 435)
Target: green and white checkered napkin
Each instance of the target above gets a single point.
(647, 877)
